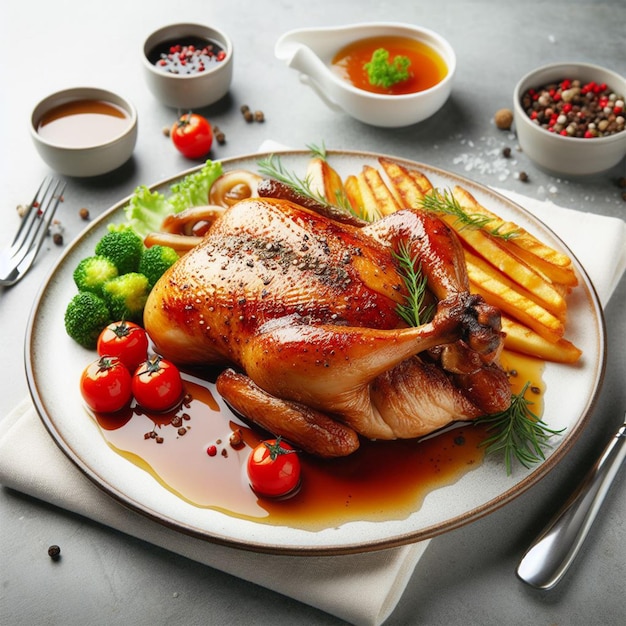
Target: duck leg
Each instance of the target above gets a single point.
(312, 431)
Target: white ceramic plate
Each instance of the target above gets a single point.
(54, 363)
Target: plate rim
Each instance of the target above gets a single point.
(459, 520)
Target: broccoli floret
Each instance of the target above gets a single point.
(91, 273)
(123, 247)
(155, 261)
(126, 296)
(86, 316)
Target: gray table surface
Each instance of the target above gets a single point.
(466, 576)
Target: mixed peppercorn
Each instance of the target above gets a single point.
(576, 109)
(191, 57)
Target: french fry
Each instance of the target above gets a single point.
(407, 190)
(353, 193)
(522, 339)
(383, 197)
(502, 292)
(553, 264)
(564, 276)
(369, 204)
(498, 254)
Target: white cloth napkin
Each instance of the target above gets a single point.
(362, 589)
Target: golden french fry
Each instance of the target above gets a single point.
(353, 194)
(553, 264)
(522, 339)
(497, 253)
(502, 292)
(406, 189)
(383, 197)
(369, 204)
(564, 276)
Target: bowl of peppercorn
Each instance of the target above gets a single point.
(188, 66)
(570, 118)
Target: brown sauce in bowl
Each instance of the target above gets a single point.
(383, 480)
(83, 123)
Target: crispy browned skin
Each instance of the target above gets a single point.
(305, 306)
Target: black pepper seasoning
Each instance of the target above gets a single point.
(54, 552)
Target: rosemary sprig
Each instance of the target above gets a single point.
(445, 202)
(518, 432)
(317, 151)
(412, 311)
(273, 167)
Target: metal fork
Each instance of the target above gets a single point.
(17, 259)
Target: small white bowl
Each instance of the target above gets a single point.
(106, 151)
(188, 91)
(558, 154)
(311, 50)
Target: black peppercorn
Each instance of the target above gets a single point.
(54, 552)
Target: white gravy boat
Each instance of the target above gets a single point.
(310, 51)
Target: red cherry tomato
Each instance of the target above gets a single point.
(125, 340)
(274, 468)
(157, 384)
(106, 385)
(192, 135)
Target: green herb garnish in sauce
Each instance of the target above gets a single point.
(383, 72)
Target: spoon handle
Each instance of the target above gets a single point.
(550, 555)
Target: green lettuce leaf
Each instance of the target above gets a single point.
(147, 209)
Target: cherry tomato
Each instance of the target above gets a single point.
(157, 384)
(125, 340)
(106, 385)
(192, 135)
(274, 468)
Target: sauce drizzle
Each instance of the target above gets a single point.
(382, 480)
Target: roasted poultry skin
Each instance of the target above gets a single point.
(300, 311)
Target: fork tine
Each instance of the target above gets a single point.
(29, 218)
(33, 239)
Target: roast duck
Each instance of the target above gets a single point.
(297, 307)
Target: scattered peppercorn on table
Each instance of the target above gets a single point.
(60, 568)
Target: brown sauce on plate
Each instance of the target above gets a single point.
(426, 70)
(381, 481)
(83, 123)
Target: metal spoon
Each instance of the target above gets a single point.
(547, 560)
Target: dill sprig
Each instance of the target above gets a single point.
(412, 311)
(445, 202)
(517, 432)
